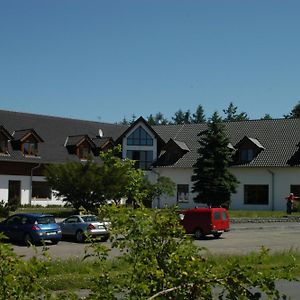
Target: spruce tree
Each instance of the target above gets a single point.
(213, 183)
(199, 116)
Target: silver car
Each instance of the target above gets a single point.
(81, 226)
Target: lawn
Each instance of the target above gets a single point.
(259, 214)
(75, 274)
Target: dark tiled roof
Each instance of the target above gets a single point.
(279, 137)
(182, 145)
(101, 141)
(54, 131)
(75, 140)
(21, 134)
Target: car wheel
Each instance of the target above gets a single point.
(79, 236)
(28, 239)
(198, 234)
(217, 235)
(104, 238)
(54, 242)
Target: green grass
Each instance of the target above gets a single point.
(58, 212)
(259, 214)
(75, 274)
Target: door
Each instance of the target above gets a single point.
(220, 219)
(70, 225)
(14, 193)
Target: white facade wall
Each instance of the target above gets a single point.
(25, 190)
(179, 176)
(279, 181)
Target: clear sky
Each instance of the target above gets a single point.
(109, 59)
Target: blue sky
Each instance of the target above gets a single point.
(106, 60)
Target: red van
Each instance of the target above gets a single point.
(204, 221)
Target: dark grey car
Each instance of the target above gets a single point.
(81, 226)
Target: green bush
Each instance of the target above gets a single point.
(4, 210)
(164, 263)
(19, 278)
(56, 211)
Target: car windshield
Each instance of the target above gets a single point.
(89, 218)
(45, 220)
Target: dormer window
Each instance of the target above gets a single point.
(3, 144)
(247, 149)
(172, 152)
(30, 147)
(4, 138)
(247, 155)
(140, 138)
(80, 145)
(84, 151)
(27, 141)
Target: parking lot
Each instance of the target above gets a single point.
(242, 239)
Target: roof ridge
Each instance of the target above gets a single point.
(56, 117)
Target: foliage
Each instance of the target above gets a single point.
(89, 184)
(158, 252)
(119, 177)
(295, 113)
(58, 211)
(4, 209)
(158, 119)
(199, 116)
(77, 183)
(232, 115)
(181, 117)
(19, 279)
(267, 117)
(163, 185)
(212, 181)
(164, 263)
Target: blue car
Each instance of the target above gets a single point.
(31, 228)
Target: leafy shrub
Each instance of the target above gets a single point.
(18, 278)
(164, 263)
(4, 209)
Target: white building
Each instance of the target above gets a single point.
(267, 156)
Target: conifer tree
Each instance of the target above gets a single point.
(232, 115)
(213, 183)
(199, 116)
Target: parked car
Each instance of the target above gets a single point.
(81, 226)
(31, 228)
(204, 221)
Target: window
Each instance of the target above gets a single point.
(247, 155)
(45, 220)
(217, 216)
(256, 194)
(84, 151)
(13, 220)
(224, 216)
(295, 189)
(72, 220)
(143, 159)
(182, 193)
(3, 144)
(41, 190)
(30, 148)
(140, 138)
